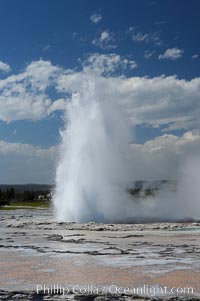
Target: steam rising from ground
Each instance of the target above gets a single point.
(95, 168)
(187, 196)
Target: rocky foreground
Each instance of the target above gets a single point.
(33, 296)
(37, 251)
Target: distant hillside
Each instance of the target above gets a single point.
(150, 188)
(133, 185)
(157, 184)
(25, 187)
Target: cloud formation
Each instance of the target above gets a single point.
(25, 163)
(195, 56)
(24, 95)
(148, 53)
(108, 64)
(159, 101)
(161, 157)
(141, 37)
(96, 18)
(4, 67)
(105, 40)
(171, 54)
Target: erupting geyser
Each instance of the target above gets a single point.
(93, 168)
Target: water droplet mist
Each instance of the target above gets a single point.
(93, 168)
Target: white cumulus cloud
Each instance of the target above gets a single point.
(24, 95)
(26, 163)
(161, 157)
(165, 101)
(172, 54)
(107, 64)
(4, 67)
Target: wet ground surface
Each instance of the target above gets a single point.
(37, 252)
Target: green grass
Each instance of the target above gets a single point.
(26, 205)
(13, 208)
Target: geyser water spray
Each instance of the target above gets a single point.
(95, 161)
(93, 166)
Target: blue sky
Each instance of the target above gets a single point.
(28, 28)
(151, 38)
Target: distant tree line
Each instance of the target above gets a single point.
(140, 192)
(10, 195)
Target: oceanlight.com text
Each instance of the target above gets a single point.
(148, 290)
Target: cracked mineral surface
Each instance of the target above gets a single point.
(38, 251)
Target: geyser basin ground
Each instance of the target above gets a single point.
(36, 250)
